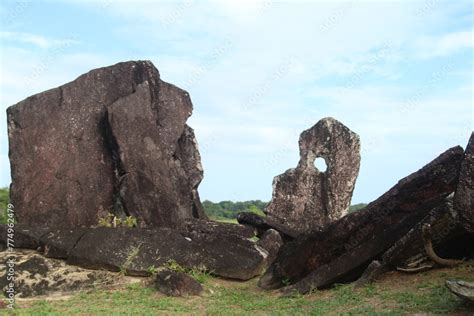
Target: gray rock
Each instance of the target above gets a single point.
(113, 140)
(305, 199)
(172, 283)
(271, 242)
(462, 289)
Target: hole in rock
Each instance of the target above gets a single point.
(320, 164)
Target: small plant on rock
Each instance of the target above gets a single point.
(110, 220)
(200, 274)
(153, 270)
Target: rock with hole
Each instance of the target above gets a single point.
(305, 198)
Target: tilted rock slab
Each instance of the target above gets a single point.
(305, 199)
(113, 140)
(343, 249)
(464, 196)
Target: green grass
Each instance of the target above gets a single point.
(394, 294)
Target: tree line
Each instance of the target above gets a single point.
(224, 210)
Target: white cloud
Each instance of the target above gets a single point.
(35, 40)
(445, 44)
(348, 61)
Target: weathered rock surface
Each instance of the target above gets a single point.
(305, 199)
(113, 140)
(23, 238)
(213, 227)
(447, 238)
(271, 242)
(36, 275)
(59, 243)
(464, 197)
(136, 250)
(344, 248)
(462, 289)
(172, 283)
(446, 228)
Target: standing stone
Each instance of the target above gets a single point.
(305, 198)
(113, 140)
(464, 196)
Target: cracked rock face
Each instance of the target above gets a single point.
(113, 140)
(305, 198)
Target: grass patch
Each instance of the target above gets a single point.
(394, 294)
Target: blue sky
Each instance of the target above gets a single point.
(398, 73)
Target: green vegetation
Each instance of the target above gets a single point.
(356, 207)
(394, 294)
(227, 210)
(4, 198)
(200, 274)
(113, 221)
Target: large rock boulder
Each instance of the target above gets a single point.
(113, 140)
(305, 198)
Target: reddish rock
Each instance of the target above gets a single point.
(113, 140)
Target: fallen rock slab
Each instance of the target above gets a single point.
(213, 227)
(136, 251)
(305, 198)
(446, 229)
(342, 250)
(59, 243)
(172, 283)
